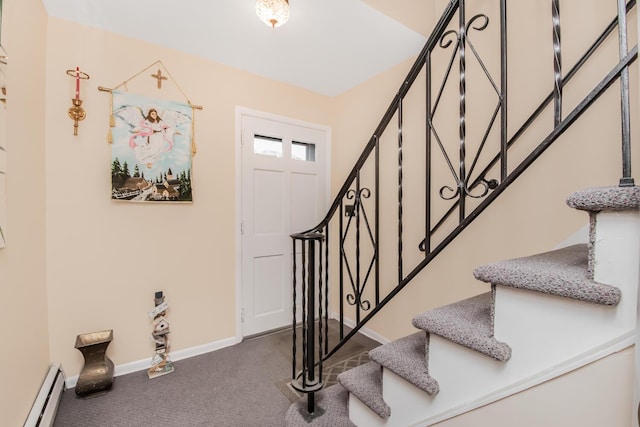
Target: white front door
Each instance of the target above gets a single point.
(284, 173)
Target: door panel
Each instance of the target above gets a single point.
(304, 201)
(283, 192)
(268, 214)
(268, 298)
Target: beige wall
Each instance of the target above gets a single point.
(100, 262)
(106, 259)
(24, 357)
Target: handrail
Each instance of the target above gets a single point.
(355, 222)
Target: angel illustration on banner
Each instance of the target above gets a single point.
(151, 148)
(151, 135)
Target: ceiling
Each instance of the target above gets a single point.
(328, 46)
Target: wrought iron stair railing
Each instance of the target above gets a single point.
(477, 183)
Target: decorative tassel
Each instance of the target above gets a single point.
(193, 129)
(112, 120)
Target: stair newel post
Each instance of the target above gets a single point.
(307, 380)
(311, 333)
(294, 294)
(326, 291)
(321, 330)
(627, 179)
(304, 324)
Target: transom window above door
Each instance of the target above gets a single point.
(303, 151)
(267, 146)
(273, 147)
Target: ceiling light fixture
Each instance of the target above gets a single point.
(274, 13)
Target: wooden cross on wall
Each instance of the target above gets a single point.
(159, 77)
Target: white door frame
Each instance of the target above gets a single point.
(240, 112)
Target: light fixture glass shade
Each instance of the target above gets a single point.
(274, 13)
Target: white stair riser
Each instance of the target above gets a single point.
(544, 330)
(617, 251)
(361, 415)
(549, 336)
(616, 247)
(404, 398)
(466, 379)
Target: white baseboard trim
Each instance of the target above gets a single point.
(141, 365)
(364, 331)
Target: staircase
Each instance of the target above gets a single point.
(544, 315)
(539, 317)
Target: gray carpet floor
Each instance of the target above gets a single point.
(235, 386)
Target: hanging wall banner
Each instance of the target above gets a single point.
(151, 150)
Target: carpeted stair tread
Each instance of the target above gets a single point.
(598, 199)
(468, 322)
(365, 382)
(331, 410)
(562, 272)
(408, 357)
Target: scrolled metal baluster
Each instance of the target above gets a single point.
(486, 186)
(357, 209)
(477, 18)
(351, 211)
(356, 299)
(444, 43)
(626, 180)
(462, 129)
(351, 299)
(400, 192)
(481, 27)
(557, 62)
(455, 191)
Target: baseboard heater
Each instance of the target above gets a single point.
(43, 411)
